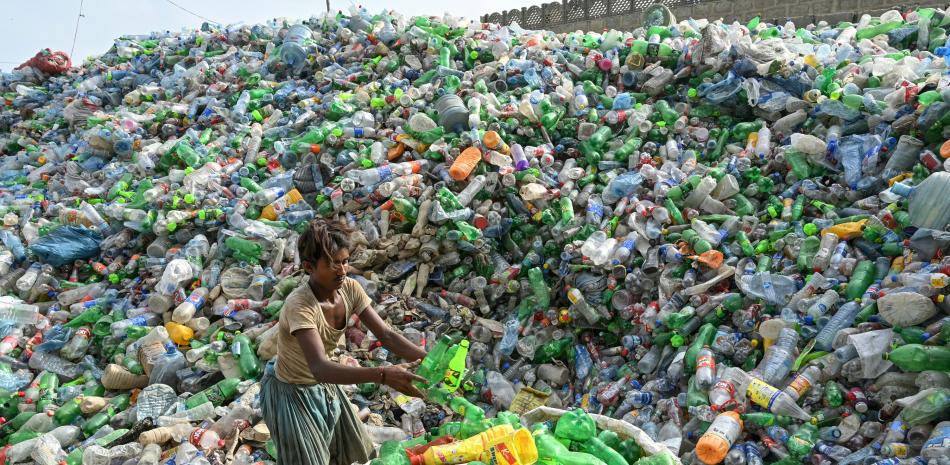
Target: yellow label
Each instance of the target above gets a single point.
(762, 393)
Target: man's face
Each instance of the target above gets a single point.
(329, 272)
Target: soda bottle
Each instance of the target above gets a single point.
(552, 451)
(218, 394)
(715, 443)
(705, 369)
(801, 443)
(115, 405)
(432, 368)
(917, 357)
(248, 362)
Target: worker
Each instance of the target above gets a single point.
(309, 416)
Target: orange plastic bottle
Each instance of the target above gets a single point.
(715, 443)
(465, 163)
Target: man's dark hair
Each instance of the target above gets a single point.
(323, 238)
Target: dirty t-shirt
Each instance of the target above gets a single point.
(301, 310)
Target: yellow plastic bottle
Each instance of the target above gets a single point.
(179, 334)
(846, 231)
(271, 211)
(467, 450)
(517, 449)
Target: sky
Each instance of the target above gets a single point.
(37, 24)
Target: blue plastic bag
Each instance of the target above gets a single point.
(66, 244)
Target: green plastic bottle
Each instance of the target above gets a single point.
(115, 405)
(861, 280)
(594, 446)
(248, 362)
(663, 458)
(801, 443)
(474, 417)
(917, 357)
(704, 337)
(551, 451)
(575, 425)
(432, 368)
(455, 366)
(218, 394)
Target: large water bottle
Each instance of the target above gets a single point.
(293, 51)
(164, 370)
(453, 115)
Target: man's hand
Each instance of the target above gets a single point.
(400, 378)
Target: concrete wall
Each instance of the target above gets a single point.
(599, 15)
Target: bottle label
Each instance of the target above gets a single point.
(81, 332)
(385, 172)
(800, 385)
(501, 455)
(195, 437)
(937, 441)
(725, 427)
(196, 299)
(762, 393)
(899, 449)
(706, 361)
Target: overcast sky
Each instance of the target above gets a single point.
(36, 24)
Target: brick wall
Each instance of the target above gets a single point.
(597, 15)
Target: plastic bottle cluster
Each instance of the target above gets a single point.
(695, 243)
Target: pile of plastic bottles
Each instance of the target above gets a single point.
(729, 238)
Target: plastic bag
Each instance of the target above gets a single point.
(870, 346)
(66, 244)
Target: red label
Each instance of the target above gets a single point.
(84, 332)
(196, 436)
(502, 450)
(706, 361)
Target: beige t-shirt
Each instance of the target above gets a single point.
(301, 310)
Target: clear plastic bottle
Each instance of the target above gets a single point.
(777, 362)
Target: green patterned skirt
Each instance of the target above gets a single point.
(312, 424)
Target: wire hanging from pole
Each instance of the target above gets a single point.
(76, 31)
(186, 10)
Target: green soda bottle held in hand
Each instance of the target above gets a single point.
(429, 368)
